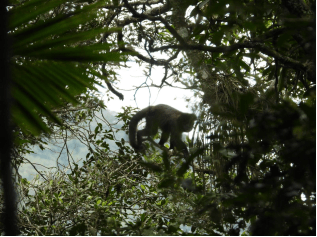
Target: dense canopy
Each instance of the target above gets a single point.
(251, 66)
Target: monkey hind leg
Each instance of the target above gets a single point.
(147, 131)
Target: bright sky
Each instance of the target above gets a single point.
(133, 77)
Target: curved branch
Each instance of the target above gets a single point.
(159, 62)
(244, 45)
(114, 91)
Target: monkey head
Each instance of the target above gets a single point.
(186, 121)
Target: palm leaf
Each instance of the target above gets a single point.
(51, 57)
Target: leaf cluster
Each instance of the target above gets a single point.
(51, 55)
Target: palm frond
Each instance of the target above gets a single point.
(51, 55)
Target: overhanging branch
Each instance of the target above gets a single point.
(244, 45)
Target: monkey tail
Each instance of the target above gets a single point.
(132, 129)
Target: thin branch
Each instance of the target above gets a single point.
(155, 18)
(33, 164)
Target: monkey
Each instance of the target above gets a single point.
(171, 121)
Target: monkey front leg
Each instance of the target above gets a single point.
(164, 138)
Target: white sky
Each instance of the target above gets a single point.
(132, 77)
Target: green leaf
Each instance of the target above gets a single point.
(45, 69)
(246, 100)
(30, 10)
(244, 65)
(143, 216)
(217, 37)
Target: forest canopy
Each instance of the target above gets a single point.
(252, 68)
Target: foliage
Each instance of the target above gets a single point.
(273, 172)
(116, 193)
(252, 169)
(52, 56)
(107, 195)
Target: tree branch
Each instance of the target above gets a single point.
(244, 45)
(155, 18)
